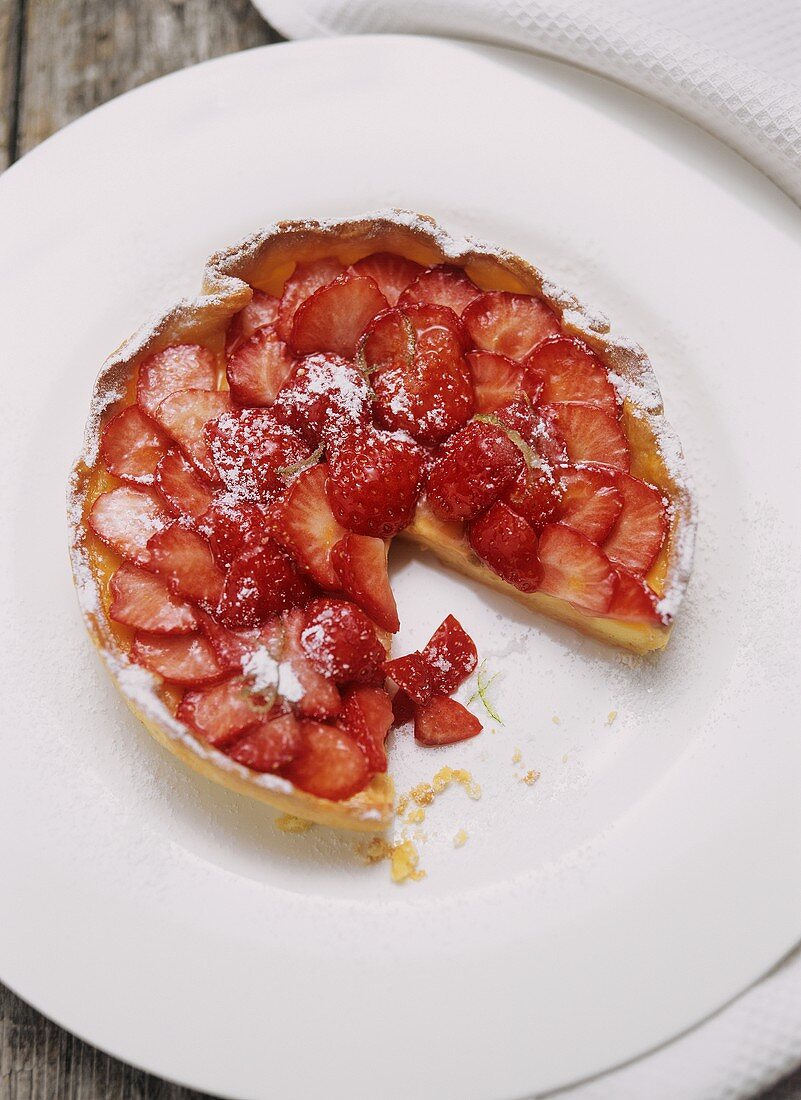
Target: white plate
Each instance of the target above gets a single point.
(653, 871)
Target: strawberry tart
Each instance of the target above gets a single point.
(250, 457)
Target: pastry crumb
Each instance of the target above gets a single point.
(531, 777)
(416, 816)
(460, 839)
(425, 793)
(288, 823)
(403, 858)
(611, 716)
(557, 721)
(517, 756)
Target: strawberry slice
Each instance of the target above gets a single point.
(402, 708)
(572, 372)
(374, 481)
(391, 273)
(270, 746)
(253, 454)
(536, 427)
(591, 435)
(508, 545)
(450, 656)
(181, 367)
(367, 717)
(315, 695)
(301, 284)
(183, 415)
(426, 318)
(335, 316)
(509, 324)
(471, 471)
(233, 648)
(261, 582)
(637, 537)
(329, 765)
(187, 659)
(413, 676)
(183, 560)
(140, 600)
(221, 712)
(442, 286)
(496, 380)
(325, 394)
(307, 528)
(534, 495)
(125, 519)
(590, 501)
(131, 446)
(261, 310)
(340, 641)
(634, 601)
(361, 565)
(184, 490)
(443, 721)
(258, 368)
(231, 525)
(574, 569)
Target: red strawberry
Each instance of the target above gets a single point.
(131, 445)
(571, 372)
(184, 490)
(590, 502)
(315, 695)
(272, 745)
(340, 641)
(591, 435)
(261, 582)
(187, 659)
(496, 380)
(181, 367)
(402, 708)
(326, 393)
(391, 273)
(231, 524)
(534, 495)
(443, 721)
(253, 454)
(637, 537)
(374, 482)
(125, 518)
(471, 471)
(335, 316)
(140, 600)
(574, 569)
(450, 656)
(329, 765)
(436, 323)
(367, 717)
(361, 564)
(301, 284)
(413, 675)
(634, 601)
(508, 545)
(536, 427)
(442, 286)
(183, 560)
(261, 310)
(184, 414)
(233, 648)
(509, 324)
(221, 712)
(307, 527)
(258, 368)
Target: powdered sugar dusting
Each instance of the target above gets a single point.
(261, 670)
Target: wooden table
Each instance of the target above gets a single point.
(58, 60)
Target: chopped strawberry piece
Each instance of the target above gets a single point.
(182, 487)
(140, 600)
(307, 528)
(314, 695)
(261, 310)
(326, 394)
(367, 716)
(450, 656)
(340, 641)
(131, 446)
(413, 675)
(574, 569)
(187, 659)
(390, 272)
(508, 545)
(231, 524)
(329, 765)
(183, 560)
(181, 367)
(301, 284)
(221, 712)
(570, 371)
(496, 380)
(184, 414)
(591, 435)
(361, 565)
(259, 367)
(637, 537)
(509, 324)
(125, 519)
(590, 502)
(443, 721)
(471, 471)
(253, 454)
(536, 427)
(442, 286)
(436, 323)
(402, 708)
(634, 601)
(534, 495)
(261, 582)
(270, 746)
(374, 481)
(335, 316)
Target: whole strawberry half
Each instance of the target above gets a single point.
(471, 470)
(325, 393)
(535, 495)
(253, 453)
(261, 582)
(374, 482)
(340, 641)
(508, 545)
